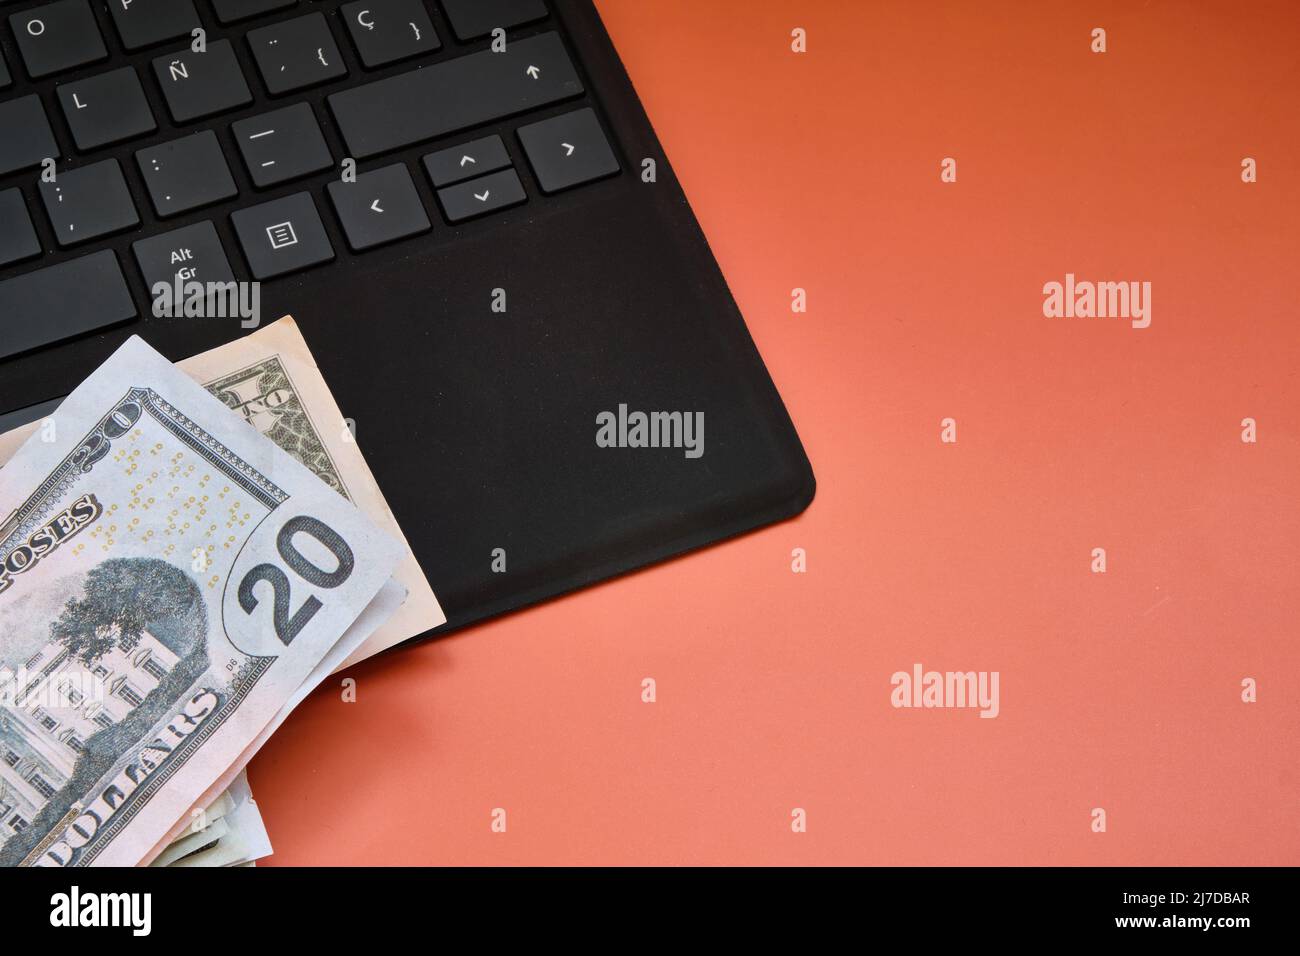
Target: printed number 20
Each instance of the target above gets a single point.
(286, 627)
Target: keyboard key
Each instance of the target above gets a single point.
(229, 11)
(296, 54)
(479, 196)
(57, 37)
(196, 85)
(381, 206)
(568, 150)
(27, 139)
(89, 202)
(282, 236)
(185, 174)
(476, 18)
(465, 162)
(61, 301)
(142, 23)
(191, 254)
(453, 95)
(5, 78)
(17, 234)
(106, 109)
(282, 145)
(385, 31)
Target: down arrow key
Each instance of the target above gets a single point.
(480, 196)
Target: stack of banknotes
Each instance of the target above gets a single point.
(186, 552)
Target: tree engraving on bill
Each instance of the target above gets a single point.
(264, 395)
(165, 568)
(271, 381)
(74, 776)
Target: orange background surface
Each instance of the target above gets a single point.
(1118, 690)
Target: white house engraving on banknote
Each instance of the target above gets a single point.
(86, 764)
(39, 746)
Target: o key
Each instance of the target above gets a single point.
(57, 37)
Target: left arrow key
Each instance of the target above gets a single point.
(380, 207)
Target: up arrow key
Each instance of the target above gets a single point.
(467, 159)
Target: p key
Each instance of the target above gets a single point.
(57, 37)
(143, 23)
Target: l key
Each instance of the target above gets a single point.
(106, 109)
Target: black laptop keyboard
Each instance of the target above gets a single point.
(395, 74)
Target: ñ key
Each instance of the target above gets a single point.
(196, 85)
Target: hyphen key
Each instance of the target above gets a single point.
(453, 95)
(61, 301)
